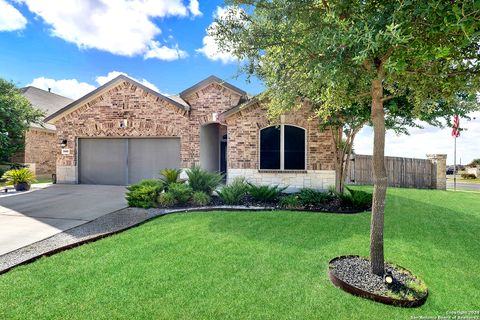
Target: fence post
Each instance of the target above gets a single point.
(439, 180)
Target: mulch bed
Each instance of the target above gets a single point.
(333, 206)
(352, 274)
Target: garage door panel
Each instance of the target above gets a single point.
(103, 161)
(146, 157)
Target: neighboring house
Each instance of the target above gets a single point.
(123, 132)
(40, 145)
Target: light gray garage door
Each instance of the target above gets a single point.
(125, 161)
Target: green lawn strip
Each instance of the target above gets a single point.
(460, 180)
(262, 265)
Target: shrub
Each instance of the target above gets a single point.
(180, 191)
(356, 198)
(469, 176)
(235, 192)
(291, 201)
(144, 193)
(15, 176)
(475, 163)
(311, 197)
(265, 193)
(170, 176)
(200, 198)
(166, 199)
(202, 180)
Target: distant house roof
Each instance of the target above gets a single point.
(77, 103)
(46, 101)
(209, 80)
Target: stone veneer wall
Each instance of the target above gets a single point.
(243, 149)
(146, 115)
(440, 176)
(315, 179)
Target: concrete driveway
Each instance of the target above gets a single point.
(31, 217)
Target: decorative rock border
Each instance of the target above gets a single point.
(372, 296)
(109, 224)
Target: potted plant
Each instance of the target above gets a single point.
(20, 178)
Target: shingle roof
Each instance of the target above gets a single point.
(48, 102)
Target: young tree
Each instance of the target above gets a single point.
(16, 115)
(356, 52)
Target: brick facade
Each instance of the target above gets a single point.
(243, 136)
(40, 151)
(148, 115)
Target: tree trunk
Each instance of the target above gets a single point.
(379, 177)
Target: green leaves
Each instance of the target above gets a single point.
(16, 115)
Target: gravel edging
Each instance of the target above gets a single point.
(97, 229)
(352, 274)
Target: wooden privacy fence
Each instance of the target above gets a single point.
(401, 172)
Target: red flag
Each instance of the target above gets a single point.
(456, 126)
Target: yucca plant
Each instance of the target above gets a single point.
(202, 180)
(170, 176)
(234, 193)
(20, 178)
(265, 193)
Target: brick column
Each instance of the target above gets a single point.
(439, 181)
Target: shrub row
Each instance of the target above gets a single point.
(170, 191)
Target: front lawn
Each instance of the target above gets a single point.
(255, 265)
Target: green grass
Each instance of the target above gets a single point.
(244, 265)
(464, 180)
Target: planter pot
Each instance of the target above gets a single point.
(22, 186)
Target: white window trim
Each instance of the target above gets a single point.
(282, 146)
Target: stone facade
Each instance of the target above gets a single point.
(315, 179)
(440, 176)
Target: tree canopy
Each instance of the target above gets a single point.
(342, 54)
(16, 115)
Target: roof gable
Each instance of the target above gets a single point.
(97, 92)
(212, 79)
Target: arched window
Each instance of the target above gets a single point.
(282, 147)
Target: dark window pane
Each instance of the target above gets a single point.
(270, 148)
(294, 148)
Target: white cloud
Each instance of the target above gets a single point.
(210, 48)
(194, 8)
(10, 18)
(429, 140)
(71, 88)
(163, 52)
(74, 89)
(117, 26)
(101, 80)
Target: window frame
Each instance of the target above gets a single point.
(282, 147)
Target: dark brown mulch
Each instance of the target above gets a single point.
(334, 206)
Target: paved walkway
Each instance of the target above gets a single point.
(34, 216)
(464, 186)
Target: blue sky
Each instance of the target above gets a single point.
(74, 46)
(56, 45)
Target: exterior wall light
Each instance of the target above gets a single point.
(63, 144)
